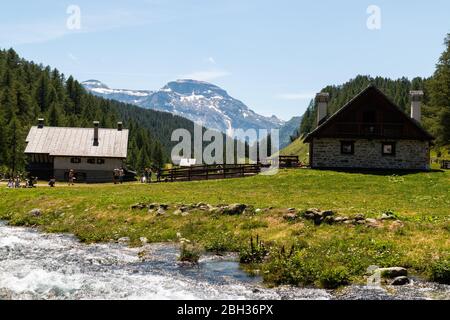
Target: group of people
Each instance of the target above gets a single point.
(118, 175)
(147, 175)
(14, 183)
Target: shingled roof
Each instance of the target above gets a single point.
(371, 89)
(59, 141)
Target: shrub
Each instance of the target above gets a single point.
(190, 253)
(255, 253)
(219, 242)
(334, 278)
(293, 270)
(440, 271)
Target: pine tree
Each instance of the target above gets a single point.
(142, 161)
(42, 94)
(14, 142)
(54, 117)
(157, 155)
(439, 91)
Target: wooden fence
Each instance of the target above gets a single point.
(284, 162)
(209, 172)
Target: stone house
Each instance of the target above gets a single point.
(93, 153)
(369, 132)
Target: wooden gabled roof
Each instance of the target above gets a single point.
(60, 141)
(420, 132)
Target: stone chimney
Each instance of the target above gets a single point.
(96, 124)
(119, 126)
(40, 123)
(322, 106)
(416, 100)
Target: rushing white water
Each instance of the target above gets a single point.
(34, 265)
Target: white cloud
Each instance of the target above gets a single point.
(206, 75)
(296, 96)
(211, 60)
(72, 57)
(41, 32)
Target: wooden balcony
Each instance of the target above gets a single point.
(385, 130)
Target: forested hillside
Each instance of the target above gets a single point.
(29, 91)
(436, 105)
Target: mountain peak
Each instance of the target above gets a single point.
(94, 84)
(189, 87)
(199, 101)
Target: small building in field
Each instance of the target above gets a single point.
(369, 132)
(93, 153)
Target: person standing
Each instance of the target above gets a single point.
(17, 182)
(71, 177)
(158, 174)
(115, 175)
(145, 175)
(121, 175)
(149, 180)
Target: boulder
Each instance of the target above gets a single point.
(388, 216)
(400, 281)
(143, 240)
(317, 215)
(329, 220)
(35, 212)
(327, 213)
(152, 206)
(397, 224)
(138, 206)
(201, 205)
(340, 219)
(184, 208)
(359, 217)
(392, 272)
(177, 212)
(160, 212)
(164, 206)
(291, 217)
(234, 209)
(373, 223)
(123, 240)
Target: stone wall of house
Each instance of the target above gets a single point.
(409, 155)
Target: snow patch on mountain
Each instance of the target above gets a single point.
(199, 101)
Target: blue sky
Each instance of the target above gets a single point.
(272, 55)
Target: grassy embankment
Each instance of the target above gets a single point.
(313, 254)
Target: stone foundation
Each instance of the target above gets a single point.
(409, 155)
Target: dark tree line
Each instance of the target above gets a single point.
(436, 104)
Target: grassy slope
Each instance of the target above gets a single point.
(297, 148)
(102, 212)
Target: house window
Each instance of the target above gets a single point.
(91, 161)
(388, 149)
(75, 160)
(347, 147)
(100, 161)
